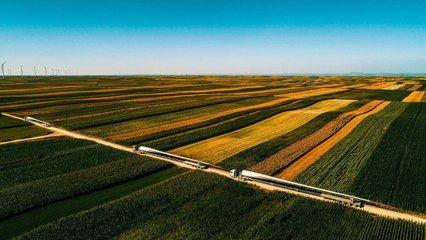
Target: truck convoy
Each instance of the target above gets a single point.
(245, 175)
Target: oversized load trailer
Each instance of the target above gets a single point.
(324, 193)
(35, 120)
(188, 161)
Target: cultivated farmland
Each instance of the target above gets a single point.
(356, 135)
(234, 211)
(240, 140)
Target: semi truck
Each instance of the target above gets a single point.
(188, 161)
(341, 198)
(35, 120)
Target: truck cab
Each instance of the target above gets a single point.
(234, 173)
(135, 148)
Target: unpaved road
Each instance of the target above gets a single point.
(367, 208)
(55, 134)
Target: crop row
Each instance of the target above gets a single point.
(338, 168)
(394, 95)
(37, 163)
(191, 117)
(7, 122)
(35, 102)
(26, 221)
(19, 132)
(207, 206)
(184, 136)
(143, 126)
(259, 153)
(395, 172)
(282, 158)
(217, 120)
(142, 113)
(39, 192)
(221, 147)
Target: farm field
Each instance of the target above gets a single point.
(391, 155)
(288, 155)
(57, 168)
(356, 135)
(240, 140)
(12, 129)
(310, 157)
(233, 212)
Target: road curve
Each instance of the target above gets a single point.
(367, 208)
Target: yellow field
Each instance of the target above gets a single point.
(311, 157)
(379, 85)
(188, 122)
(394, 87)
(312, 93)
(415, 96)
(221, 147)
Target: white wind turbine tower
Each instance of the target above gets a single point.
(45, 70)
(35, 71)
(22, 72)
(2, 68)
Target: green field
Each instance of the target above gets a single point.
(13, 129)
(383, 154)
(199, 206)
(38, 175)
(398, 163)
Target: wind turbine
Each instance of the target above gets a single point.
(45, 70)
(22, 72)
(35, 71)
(2, 68)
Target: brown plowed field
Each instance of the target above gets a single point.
(311, 157)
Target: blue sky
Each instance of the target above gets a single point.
(214, 37)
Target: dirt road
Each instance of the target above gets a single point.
(55, 134)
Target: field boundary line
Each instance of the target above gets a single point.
(184, 123)
(277, 162)
(312, 156)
